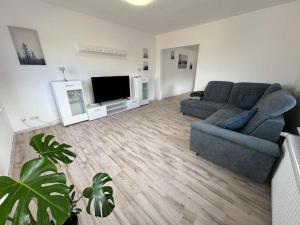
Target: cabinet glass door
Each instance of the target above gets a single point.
(145, 91)
(75, 98)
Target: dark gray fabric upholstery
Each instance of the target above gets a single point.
(249, 156)
(270, 129)
(199, 94)
(254, 143)
(271, 106)
(253, 150)
(203, 104)
(218, 91)
(237, 122)
(231, 107)
(272, 88)
(196, 112)
(221, 116)
(240, 91)
(200, 108)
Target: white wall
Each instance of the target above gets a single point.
(261, 46)
(25, 89)
(178, 81)
(6, 139)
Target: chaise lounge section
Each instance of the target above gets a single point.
(251, 150)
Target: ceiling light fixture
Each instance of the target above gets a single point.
(139, 2)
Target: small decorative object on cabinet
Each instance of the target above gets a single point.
(70, 101)
(141, 89)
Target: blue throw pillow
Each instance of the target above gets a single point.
(239, 121)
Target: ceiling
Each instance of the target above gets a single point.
(164, 15)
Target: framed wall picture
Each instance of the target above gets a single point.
(182, 61)
(172, 54)
(27, 45)
(145, 66)
(145, 53)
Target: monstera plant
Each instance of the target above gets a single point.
(41, 195)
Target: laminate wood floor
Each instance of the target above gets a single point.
(156, 179)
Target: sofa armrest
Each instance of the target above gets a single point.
(254, 143)
(269, 129)
(199, 94)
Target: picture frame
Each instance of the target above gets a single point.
(145, 53)
(182, 61)
(145, 66)
(27, 45)
(172, 55)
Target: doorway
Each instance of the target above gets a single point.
(178, 71)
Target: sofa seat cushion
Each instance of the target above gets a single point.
(203, 104)
(221, 116)
(271, 106)
(232, 107)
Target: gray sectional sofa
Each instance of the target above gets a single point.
(252, 150)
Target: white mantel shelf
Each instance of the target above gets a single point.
(86, 48)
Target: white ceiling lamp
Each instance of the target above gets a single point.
(139, 2)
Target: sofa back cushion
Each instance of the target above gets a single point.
(218, 91)
(272, 88)
(271, 106)
(246, 95)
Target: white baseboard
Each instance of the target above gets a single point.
(12, 156)
(48, 124)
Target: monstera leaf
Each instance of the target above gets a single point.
(100, 195)
(52, 150)
(39, 182)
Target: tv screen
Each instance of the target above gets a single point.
(110, 88)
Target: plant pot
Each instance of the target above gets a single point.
(72, 220)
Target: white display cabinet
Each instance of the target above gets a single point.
(141, 89)
(70, 101)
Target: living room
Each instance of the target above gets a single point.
(139, 125)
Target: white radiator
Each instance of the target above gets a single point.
(286, 185)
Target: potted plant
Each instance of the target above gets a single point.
(41, 185)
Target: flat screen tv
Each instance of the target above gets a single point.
(110, 88)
